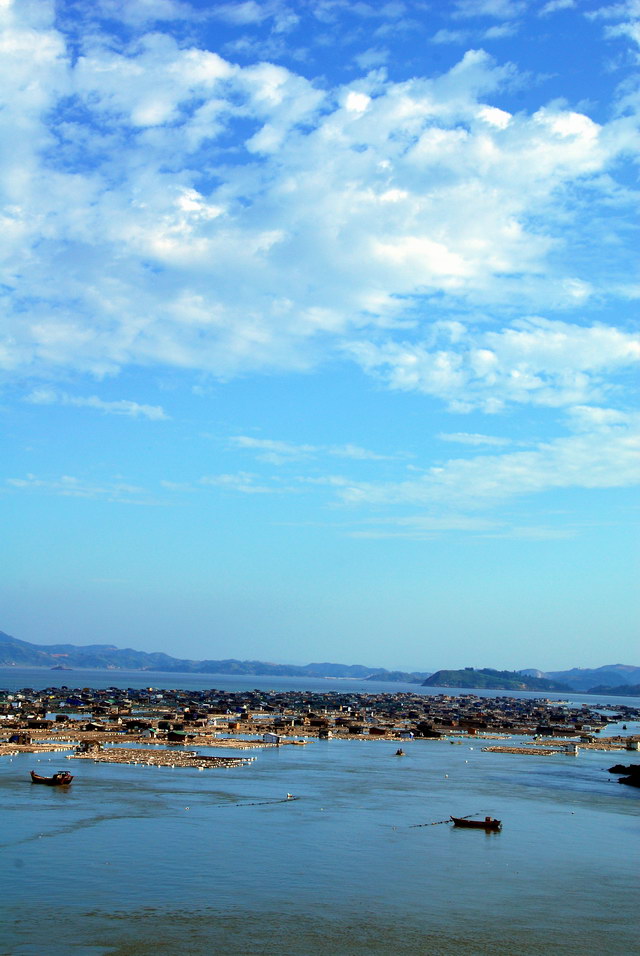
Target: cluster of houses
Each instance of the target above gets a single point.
(183, 715)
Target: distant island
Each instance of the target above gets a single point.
(492, 680)
(611, 679)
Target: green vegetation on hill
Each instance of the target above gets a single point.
(624, 690)
(490, 679)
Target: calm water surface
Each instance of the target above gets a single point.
(144, 860)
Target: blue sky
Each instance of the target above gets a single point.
(319, 331)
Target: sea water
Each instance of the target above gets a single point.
(133, 860)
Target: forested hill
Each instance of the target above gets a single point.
(624, 690)
(492, 680)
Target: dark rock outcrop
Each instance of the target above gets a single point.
(632, 773)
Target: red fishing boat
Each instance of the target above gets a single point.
(487, 824)
(61, 779)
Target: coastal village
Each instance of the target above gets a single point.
(168, 727)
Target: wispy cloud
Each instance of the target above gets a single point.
(356, 453)
(598, 456)
(274, 452)
(627, 15)
(501, 31)
(444, 36)
(72, 487)
(426, 526)
(281, 452)
(246, 13)
(245, 483)
(499, 9)
(472, 438)
(421, 527)
(374, 56)
(49, 396)
(554, 5)
(542, 533)
(601, 450)
(177, 486)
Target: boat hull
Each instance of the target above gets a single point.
(487, 824)
(58, 779)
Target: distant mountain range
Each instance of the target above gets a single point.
(618, 679)
(14, 652)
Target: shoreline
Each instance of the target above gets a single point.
(303, 684)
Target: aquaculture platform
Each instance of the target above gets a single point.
(160, 758)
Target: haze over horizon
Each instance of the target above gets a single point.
(319, 335)
(625, 673)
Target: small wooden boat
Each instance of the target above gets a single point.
(487, 824)
(61, 779)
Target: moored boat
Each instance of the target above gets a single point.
(487, 824)
(61, 779)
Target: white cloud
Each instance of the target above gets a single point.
(356, 102)
(607, 456)
(628, 15)
(495, 117)
(49, 396)
(536, 361)
(625, 10)
(554, 5)
(126, 257)
(165, 206)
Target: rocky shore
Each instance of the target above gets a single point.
(631, 774)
